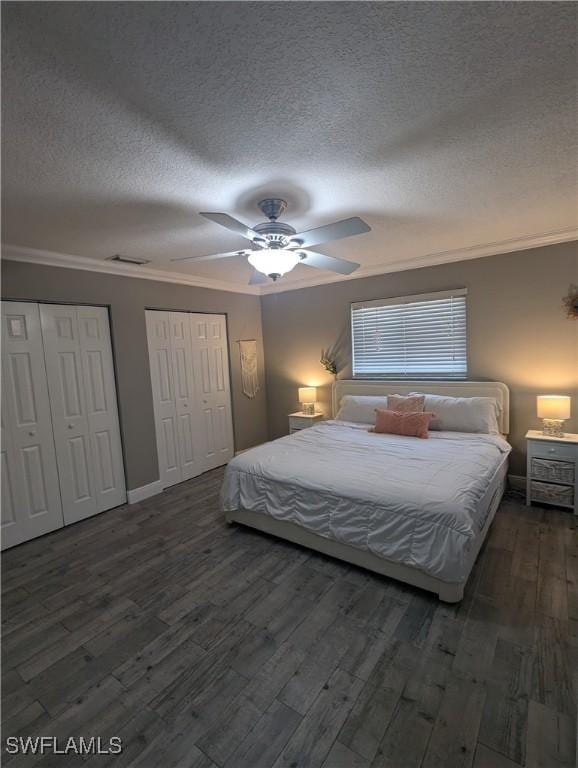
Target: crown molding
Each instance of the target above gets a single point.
(68, 261)
(522, 243)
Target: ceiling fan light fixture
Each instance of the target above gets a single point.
(278, 247)
(274, 262)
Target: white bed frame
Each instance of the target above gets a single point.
(450, 592)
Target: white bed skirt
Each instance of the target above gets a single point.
(449, 592)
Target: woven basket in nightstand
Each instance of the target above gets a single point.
(552, 471)
(552, 494)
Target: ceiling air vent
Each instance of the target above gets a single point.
(128, 259)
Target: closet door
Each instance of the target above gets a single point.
(211, 367)
(69, 412)
(30, 493)
(163, 388)
(189, 452)
(101, 406)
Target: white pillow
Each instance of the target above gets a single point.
(463, 414)
(360, 408)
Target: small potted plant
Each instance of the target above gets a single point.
(328, 363)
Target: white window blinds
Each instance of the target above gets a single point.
(412, 337)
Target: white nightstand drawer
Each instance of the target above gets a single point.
(551, 450)
(297, 422)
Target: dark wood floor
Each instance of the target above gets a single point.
(205, 645)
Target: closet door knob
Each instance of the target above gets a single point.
(31, 434)
(71, 426)
(185, 405)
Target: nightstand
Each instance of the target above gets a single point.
(299, 421)
(552, 470)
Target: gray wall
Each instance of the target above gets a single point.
(517, 331)
(127, 298)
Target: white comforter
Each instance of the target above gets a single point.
(413, 501)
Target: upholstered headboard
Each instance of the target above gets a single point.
(452, 388)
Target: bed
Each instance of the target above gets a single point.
(415, 510)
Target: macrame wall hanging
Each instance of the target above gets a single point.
(249, 372)
(571, 302)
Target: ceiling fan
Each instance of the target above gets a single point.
(276, 247)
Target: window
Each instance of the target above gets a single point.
(412, 337)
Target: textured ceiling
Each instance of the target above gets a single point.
(444, 125)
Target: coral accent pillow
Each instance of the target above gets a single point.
(406, 404)
(409, 424)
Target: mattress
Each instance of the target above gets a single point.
(420, 503)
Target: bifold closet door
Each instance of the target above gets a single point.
(184, 395)
(190, 384)
(80, 375)
(101, 406)
(174, 396)
(30, 493)
(161, 366)
(211, 366)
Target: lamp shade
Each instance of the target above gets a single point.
(553, 407)
(307, 395)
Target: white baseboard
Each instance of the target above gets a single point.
(144, 492)
(517, 482)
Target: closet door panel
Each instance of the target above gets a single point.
(30, 492)
(222, 431)
(101, 406)
(211, 365)
(185, 397)
(188, 450)
(66, 385)
(170, 441)
(107, 477)
(35, 484)
(165, 390)
(201, 354)
(209, 435)
(79, 462)
(219, 369)
(202, 368)
(221, 390)
(162, 381)
(9, 502)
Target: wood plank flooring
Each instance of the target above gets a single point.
(202, 645)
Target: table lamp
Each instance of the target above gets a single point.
(553, 410)
(307, 398)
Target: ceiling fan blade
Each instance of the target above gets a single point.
(335, 231)
(332, 263)
(213, 256)
(232, 224)
(258, 278)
